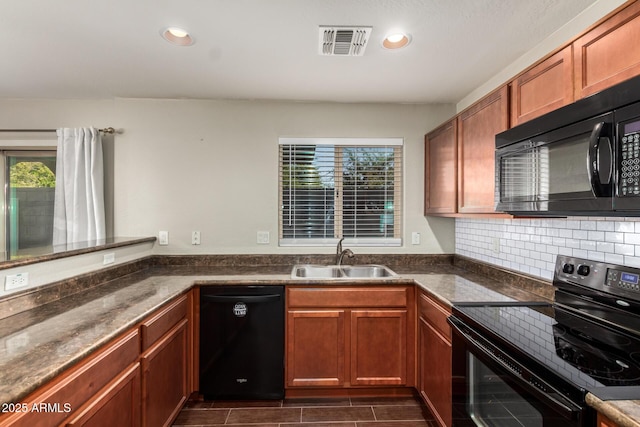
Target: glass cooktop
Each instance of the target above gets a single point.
(558, 343)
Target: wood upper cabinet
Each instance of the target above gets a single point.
(477, 128)
(543, 88)
(434, 359)
(441, 170)
(350, 336)
(608, 54)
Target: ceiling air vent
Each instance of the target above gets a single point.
(343, 41)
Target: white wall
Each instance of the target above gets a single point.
(211, 166)
(43, 273)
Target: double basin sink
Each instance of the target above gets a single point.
(363, 271)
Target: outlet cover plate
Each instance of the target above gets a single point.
(15, 281)
(263, 238)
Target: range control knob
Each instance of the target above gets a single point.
(583, 270)
(568, 268)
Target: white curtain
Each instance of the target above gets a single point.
(79, 196)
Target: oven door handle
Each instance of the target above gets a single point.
(563, 407)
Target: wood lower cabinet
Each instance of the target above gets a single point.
(605, 422)
(117, 405)
(315, 348)
(477, 129)
(164, 378)
(434, 359)
(378, 347)
(543, 88)
(608, 54)
(349, 337)
(82, 386)
(165, 362)
(140, 378)
(441, 170)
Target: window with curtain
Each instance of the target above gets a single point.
(340, 187)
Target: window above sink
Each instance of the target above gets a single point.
(331, 188)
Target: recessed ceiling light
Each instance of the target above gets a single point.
(396, 41)
(177, 36)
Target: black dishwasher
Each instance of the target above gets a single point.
(242, 342)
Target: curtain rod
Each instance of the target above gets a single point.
(109, 130)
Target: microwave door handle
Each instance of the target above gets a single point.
(596, 159)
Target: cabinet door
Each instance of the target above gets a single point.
(477, 129)
(441, 170)
(609, 53)
(605, 422)
(435, 372)
(543, 88)
(315, 348)
(78, 385)
(117, 405)
(164, 378)
(378, 347)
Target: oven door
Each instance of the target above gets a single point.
(565, 171)
(491, 389)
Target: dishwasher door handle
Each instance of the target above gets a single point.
(244, 298)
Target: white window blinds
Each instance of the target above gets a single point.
(340, 187)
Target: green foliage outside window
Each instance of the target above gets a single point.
(31, 175)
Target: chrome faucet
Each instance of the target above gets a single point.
(341, 253)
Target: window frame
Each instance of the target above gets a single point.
(18, 142)
(339, 144)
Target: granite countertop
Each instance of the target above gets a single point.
(625, 413)
(40, 343)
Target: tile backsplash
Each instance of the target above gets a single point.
(531, 245)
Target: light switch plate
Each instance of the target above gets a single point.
(163, 238)
(109, 258)
(195, 237)
(415, 238)
(263, 238)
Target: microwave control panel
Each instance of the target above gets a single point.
(629, 172)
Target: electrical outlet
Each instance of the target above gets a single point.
(109, 258)
(163, 238)
(263, 238)
(15, 281)
(195, 237)
(495, 245)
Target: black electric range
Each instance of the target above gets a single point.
(588, 340)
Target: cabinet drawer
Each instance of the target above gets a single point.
(79, 384)
(435, 315)
(159, 324)
(347, 297)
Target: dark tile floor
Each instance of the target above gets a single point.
(325, 412)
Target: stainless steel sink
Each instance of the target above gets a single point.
(364, 271)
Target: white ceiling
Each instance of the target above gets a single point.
(265, 49)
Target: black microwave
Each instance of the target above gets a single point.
(582, 159)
